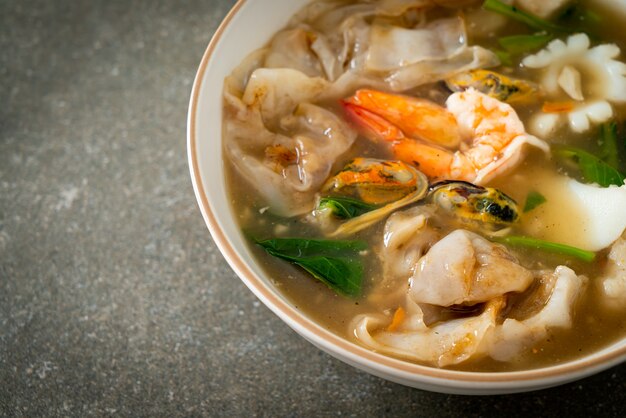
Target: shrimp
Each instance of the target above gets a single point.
(475, 138)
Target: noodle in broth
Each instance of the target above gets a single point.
(437, 181)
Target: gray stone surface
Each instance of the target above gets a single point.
(114, 301)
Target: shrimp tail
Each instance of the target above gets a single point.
(416, 118)
(371, 125)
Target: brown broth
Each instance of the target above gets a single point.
(593, 328)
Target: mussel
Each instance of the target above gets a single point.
(493, 84)
(471, 203)
(374, 181)
(377, 187)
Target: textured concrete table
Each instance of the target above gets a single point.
(113, 298)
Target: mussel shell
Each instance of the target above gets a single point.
(411, 184)
(374, 181)
(475, 203)
(493, 84)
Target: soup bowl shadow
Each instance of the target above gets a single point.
(248, 26)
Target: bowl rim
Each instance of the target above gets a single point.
(341, 347)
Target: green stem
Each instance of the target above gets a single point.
(516, 14)
(519, 44)
(554, 247)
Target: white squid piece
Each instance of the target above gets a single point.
(443, 344)
(464, 268)
(595, 218)
(612, 284)
(591, 78)
(514, 336)
(407, 237)
(455, 341)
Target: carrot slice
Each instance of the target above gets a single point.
(398, 318)
(557, 107)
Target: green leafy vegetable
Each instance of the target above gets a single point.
(306, 247)
(521, 16)
(553, 247)
(340, 274)
(593, 169)
(533, 200)
(577, 12)
(608, 144)
(504, 57)
(334, 263)
(345, 207)
(520, 44)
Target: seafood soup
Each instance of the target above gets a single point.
(441, 181)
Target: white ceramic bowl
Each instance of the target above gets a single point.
(248, 26)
